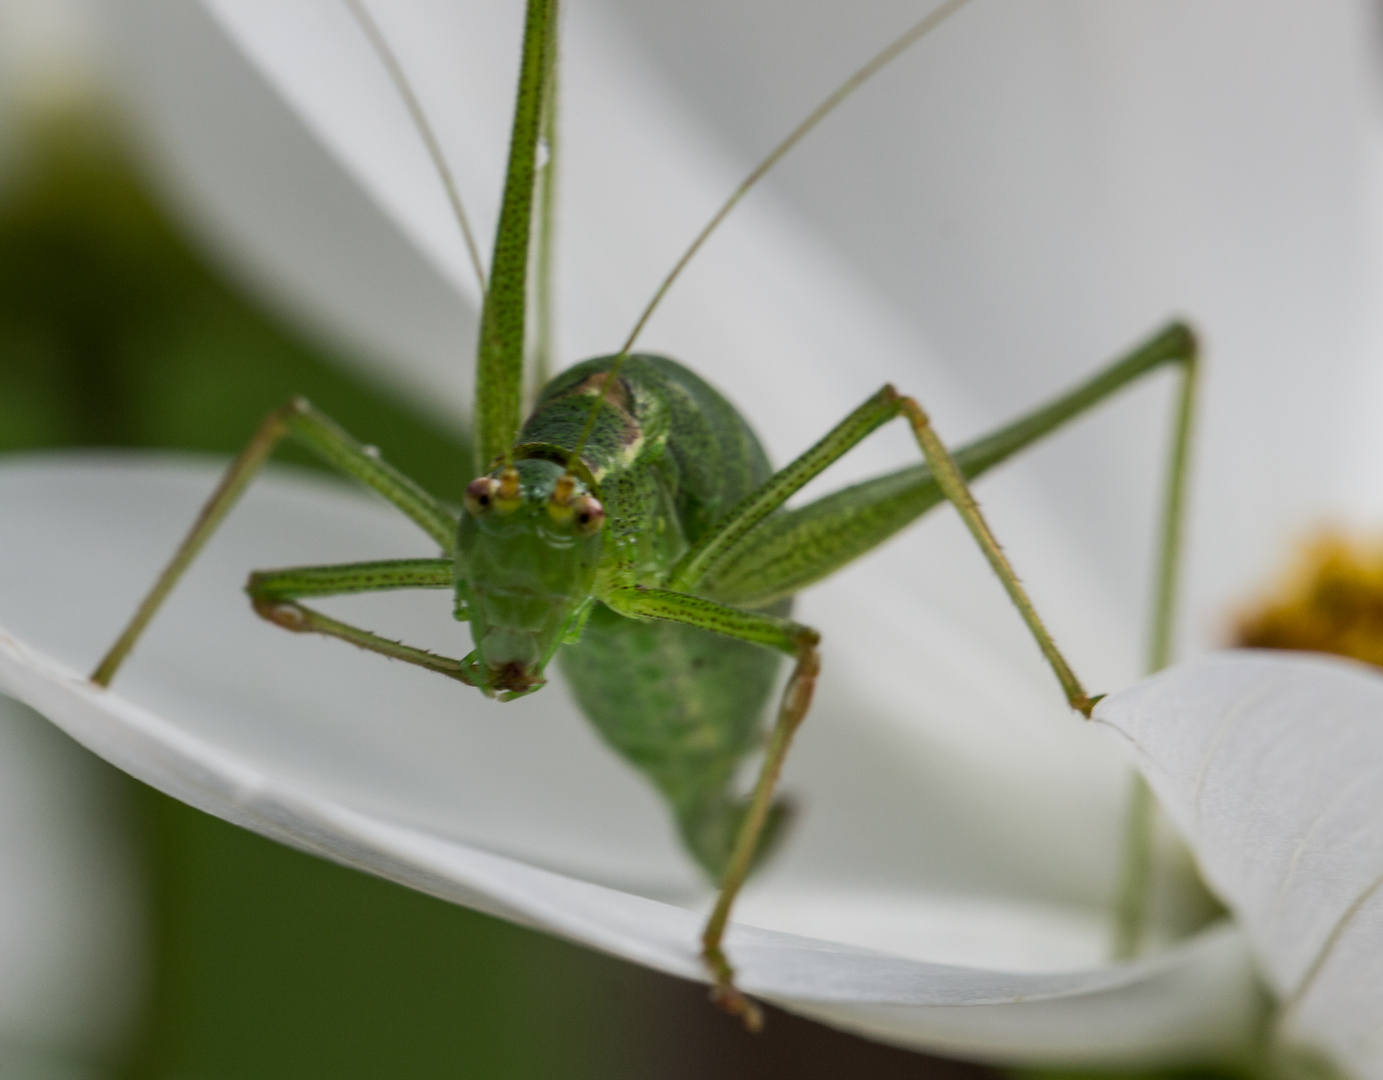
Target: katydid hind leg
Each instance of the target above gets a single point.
(856, 530)
(957, 490)
(1137, 869)
(300, 421)
(953, 485)
(793, 549)
(709, 565)
(759, 552)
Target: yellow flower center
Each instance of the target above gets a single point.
(1331, 602)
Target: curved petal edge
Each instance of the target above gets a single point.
(1272, 766)
(1193, 1002)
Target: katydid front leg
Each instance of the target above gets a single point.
(275, 595)
(300, 421)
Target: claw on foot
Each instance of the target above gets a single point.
(727, 996)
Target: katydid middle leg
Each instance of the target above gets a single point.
(303, 423)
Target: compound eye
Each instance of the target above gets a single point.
(480, 495)
(588, 515)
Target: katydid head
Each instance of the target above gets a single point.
(526, 559)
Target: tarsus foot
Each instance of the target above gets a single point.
(726, 995)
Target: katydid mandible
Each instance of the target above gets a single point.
(633, 529)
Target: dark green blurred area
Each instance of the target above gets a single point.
(113, 333)
(268, 963)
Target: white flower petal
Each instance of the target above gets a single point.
(518, 810)
(1272, 765)
(1194, 1002)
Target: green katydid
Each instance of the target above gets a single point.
(633, 529)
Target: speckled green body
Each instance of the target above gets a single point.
(667, 457)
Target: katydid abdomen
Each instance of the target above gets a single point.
(683, 706)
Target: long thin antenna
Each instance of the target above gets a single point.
(415, 111)
(896, 48)
(899, 45)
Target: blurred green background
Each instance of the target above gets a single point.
(268, 963)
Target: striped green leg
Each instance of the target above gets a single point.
(957, 492)
(798, 642)
(300, 421)
(1136, 870)
(756, 555)
(790, 549)
(884, 406)
(760, 553)
(275, 595)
